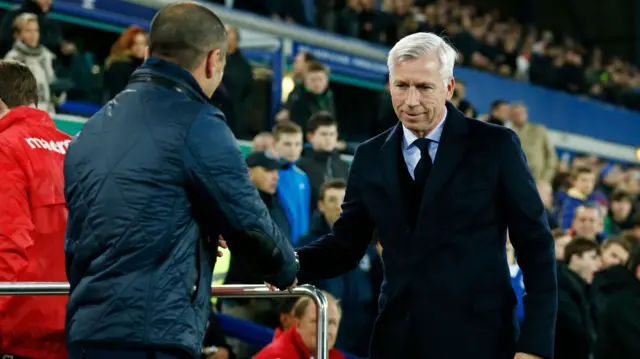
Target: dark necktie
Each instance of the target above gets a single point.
(423, 168)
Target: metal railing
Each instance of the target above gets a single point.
(220, 291)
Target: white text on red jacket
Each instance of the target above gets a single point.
(55, 146)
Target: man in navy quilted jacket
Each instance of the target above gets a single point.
(151, 182)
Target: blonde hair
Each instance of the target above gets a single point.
(23, 20)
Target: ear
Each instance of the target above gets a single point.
(214, 60)
(451, 86)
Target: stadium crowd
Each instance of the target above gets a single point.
(296, 164)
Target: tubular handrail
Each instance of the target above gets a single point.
(220, 291)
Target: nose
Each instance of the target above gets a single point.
(412, 97)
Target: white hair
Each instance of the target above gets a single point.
(417, 45)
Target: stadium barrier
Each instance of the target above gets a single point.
(220, 291)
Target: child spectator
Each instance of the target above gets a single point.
(583, 181)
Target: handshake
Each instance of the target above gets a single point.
(272, 288)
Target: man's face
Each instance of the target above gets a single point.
(30, 34)
(621, 209)
(587, 264)
(585, 182)
(265, 180)
(324, 139)
(418, 93)
(519, 115)
(289, 146)
(45, 5)
(331, 204)
(501, 112)
(308, 326)
(586, 222)
(613, 255)
(560, 244)
(316, 82)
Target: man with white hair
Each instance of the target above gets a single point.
(442, 189)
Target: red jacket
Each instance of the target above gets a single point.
(289, 345)
(33, 218)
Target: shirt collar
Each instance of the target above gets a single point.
(434, 136)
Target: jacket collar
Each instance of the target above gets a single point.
(159, 67)
(24, 113)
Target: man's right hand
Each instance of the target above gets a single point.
(273, 288)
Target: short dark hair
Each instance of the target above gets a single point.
(497, 103)
(316, 66)
(285, 127)
(320, 119)
(580, 170)
(337, 183)
(559, 233)
(185, 32)
(18, 86)
(309, 57)
(620, 195)
(578, 246)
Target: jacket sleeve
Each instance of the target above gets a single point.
(531, 237)
(16, 225)
(225, 199)
(341, 250)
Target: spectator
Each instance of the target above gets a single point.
(575, 330)
(322, 162)
(458, 99)
(499, 113)
(583, 181)
(536, 144)
(300, 63)
(263, 172)
(355, 290)
(615, 251)
(618, 330)
(315, 96)
(562, 238)
(51, 32)
(300, 341)
(620, 213)
(238, 81)
(127, 53)
(587, 223)
(294, 189)
(33, 218)
(263, 141)
(28, 50)
(546, 194)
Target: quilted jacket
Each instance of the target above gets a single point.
(152, 180)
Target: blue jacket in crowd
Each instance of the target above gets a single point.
(356, 291)
(294, 194)
(150, 182)
(517, 283)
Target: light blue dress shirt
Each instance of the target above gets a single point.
(411, 152)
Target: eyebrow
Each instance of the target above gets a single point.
(402, 82)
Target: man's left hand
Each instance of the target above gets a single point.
(526, 356)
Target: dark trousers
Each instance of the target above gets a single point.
(80, 351)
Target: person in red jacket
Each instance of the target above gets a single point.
(33, 217)
(300, 341)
